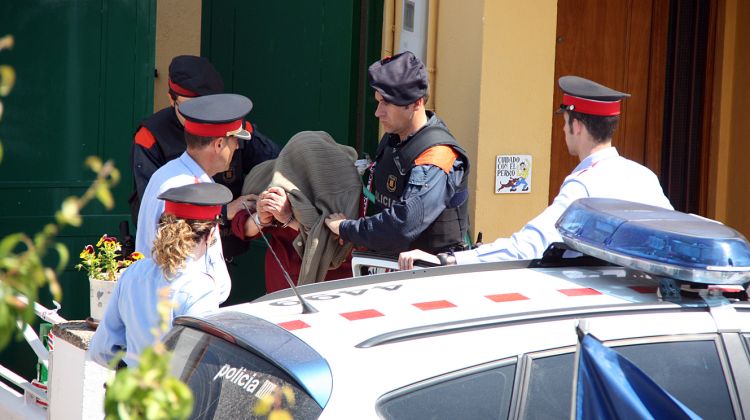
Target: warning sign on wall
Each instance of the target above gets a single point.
(513, 174)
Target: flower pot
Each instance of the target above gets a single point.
(99, 293)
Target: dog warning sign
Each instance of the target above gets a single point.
(513, 174)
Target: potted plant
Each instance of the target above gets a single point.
(103, 264)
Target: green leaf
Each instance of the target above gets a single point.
(105, 196)
(9, 243)
(115, 176)
(54, 286)
(7, 79)
(62, 252)
(69, 212)
(94, 163)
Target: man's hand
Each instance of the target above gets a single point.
(236, 205)
(275, 201)
(406, 259)
(333, 221)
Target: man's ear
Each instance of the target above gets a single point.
(219, 143)
(420, 103)
(171, 101)
(577, 126)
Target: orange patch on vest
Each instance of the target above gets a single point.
(144, 138)
(440, 156)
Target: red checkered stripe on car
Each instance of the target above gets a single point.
(298, 324)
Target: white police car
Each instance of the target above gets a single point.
(491, 340)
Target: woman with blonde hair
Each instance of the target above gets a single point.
(176, 271)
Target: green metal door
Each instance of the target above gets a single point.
(303, 64)
(84, 79)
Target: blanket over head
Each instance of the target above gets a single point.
(319, 178)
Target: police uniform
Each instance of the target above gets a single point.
(603, 174)
(420, 183)
(131, 315)
(160, 138)
(184, 171)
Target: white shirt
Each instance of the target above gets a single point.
(176, 173)
(131, 315)
(603, 174)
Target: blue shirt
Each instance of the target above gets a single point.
(131, 317)
(603, 174)
(176, 173)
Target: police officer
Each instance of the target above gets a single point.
(160, 138)
(591, 112)
(187, 226)
(420, 175)
(214, 127)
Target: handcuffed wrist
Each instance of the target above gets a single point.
(291, 219)
(256, 220)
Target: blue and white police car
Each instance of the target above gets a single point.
(665, 289)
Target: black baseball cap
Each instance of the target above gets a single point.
(401, 79)
(192, 76)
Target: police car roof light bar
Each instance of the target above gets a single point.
(657, 241)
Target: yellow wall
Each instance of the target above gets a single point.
(735, 114)
(178, 32)
(495, 79)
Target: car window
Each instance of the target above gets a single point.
(469, 395)
(549, 390)
(228, 382)
(689, 370)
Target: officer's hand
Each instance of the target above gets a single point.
(333, 221)
(237, 205)
(406, 259)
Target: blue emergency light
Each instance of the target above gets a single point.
(657, 241)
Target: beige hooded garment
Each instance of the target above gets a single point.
(320, 178)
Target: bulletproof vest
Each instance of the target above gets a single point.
(394, 166)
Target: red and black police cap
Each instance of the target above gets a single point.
(201, 201)
(401, 79)
(219, 115)
(587, 97)
(192, 76)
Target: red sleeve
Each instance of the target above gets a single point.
(238, 224)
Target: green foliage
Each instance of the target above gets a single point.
(22, 272)
(146, 392)
(149, 391)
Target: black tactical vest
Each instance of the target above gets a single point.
(394, 165)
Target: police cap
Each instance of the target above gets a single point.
(201, 201)
(192, 76)
(217, 115)
(587, 97)
(401, 79)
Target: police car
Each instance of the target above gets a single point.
(491, 341)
